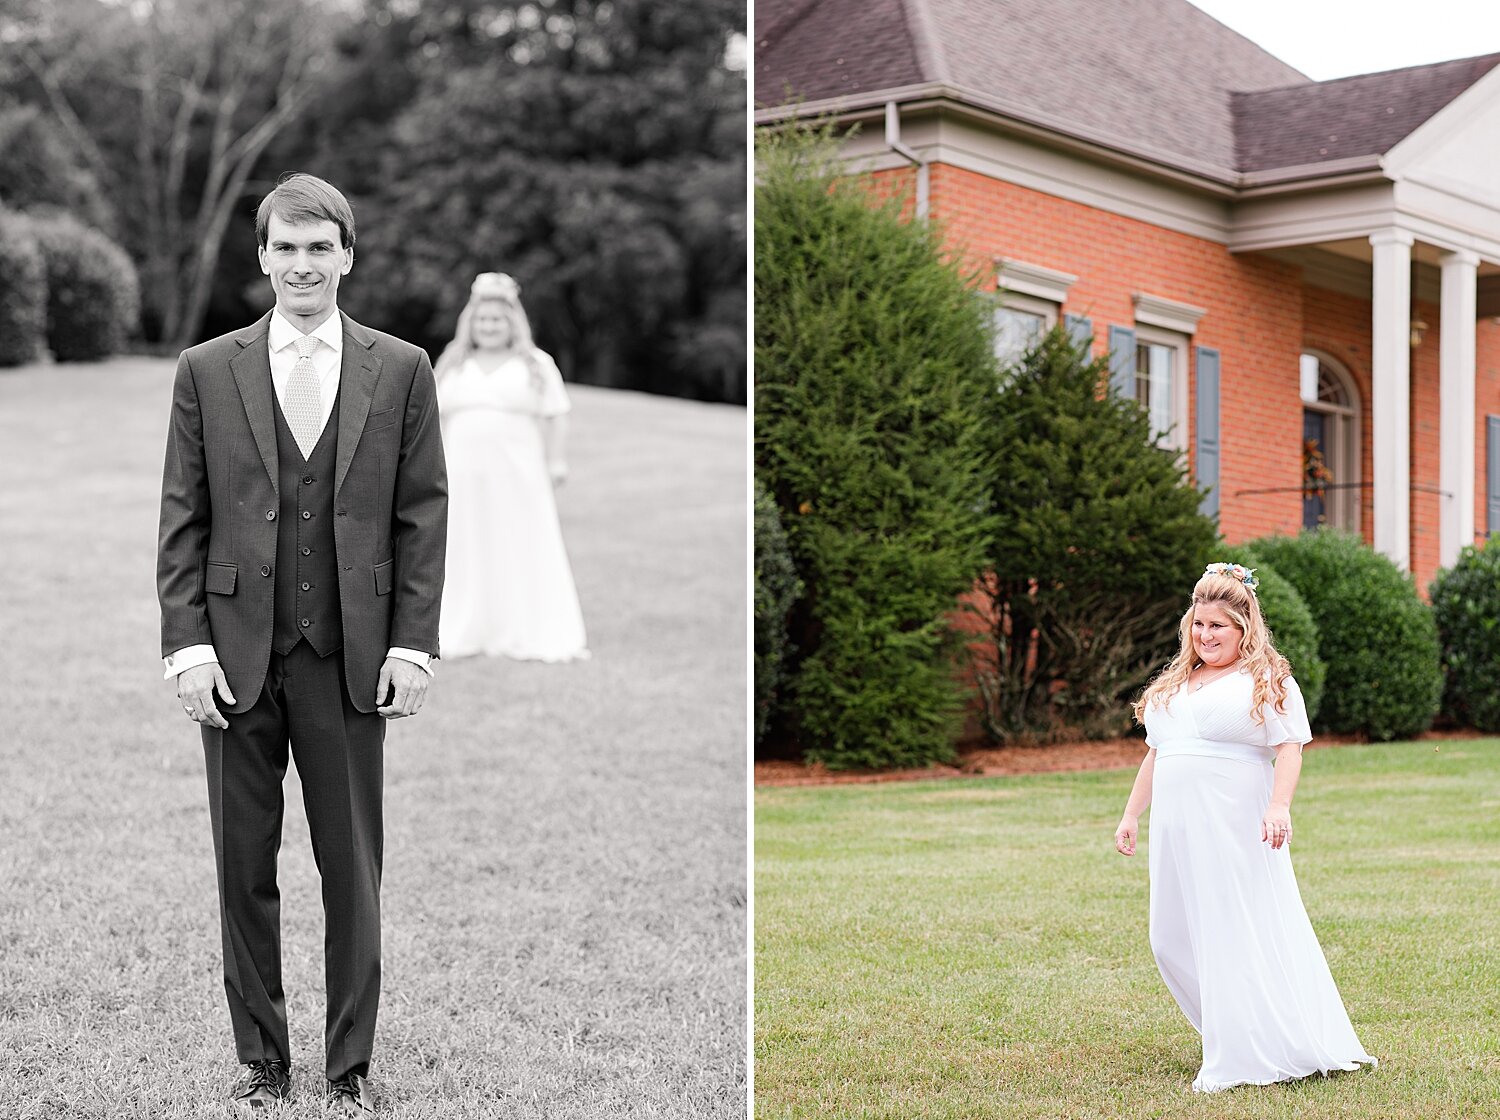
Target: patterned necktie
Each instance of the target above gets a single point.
(304, 404)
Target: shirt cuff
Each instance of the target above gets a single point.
(189, 657)
(415, 656)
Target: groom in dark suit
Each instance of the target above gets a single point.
(300, 570)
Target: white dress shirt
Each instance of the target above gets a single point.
(327, 360)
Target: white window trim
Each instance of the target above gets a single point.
(1169, 314)
(1013, 276)
(1031, 305)
(1176, 436)
(1344, 505)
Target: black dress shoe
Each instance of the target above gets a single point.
(351, 1095)
(262, 1085)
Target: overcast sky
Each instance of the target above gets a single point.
(1335, 38)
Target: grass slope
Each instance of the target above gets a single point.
(977, 949)
(564, 927)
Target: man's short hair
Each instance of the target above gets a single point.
(301, 199)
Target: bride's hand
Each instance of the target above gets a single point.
(1276, 828)
(1125, 835)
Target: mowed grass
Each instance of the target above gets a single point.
(565, 894)
(976, 948)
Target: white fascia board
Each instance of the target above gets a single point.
(1281, 221)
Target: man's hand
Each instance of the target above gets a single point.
(195, 688)
(406, 686)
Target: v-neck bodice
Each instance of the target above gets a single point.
(1217, 720)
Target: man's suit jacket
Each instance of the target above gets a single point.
(220, 490)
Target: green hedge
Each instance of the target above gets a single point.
(1466, 606)
(1375, 633)
(1098, 542)
(23, 291)
(1292, 627)
(93, 296)
(776, 589)
(873, 369)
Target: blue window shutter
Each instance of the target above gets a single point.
(1081, 331)
(1207, 466)
(1492, 473)
(1122, 362)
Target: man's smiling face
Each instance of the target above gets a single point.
(304, 263)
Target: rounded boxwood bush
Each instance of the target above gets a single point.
(1466, 607)
(1374, 632)
(776, 589)
(23, 290)
(93, 296)
(1291, 624)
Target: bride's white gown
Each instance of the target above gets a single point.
(1228, 928)
(508, 590)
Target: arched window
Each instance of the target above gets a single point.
(1330, 444)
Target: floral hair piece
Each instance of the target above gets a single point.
(1234, 571)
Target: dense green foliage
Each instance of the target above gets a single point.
(93, 301)
(873, 371)
(1374, 632)
(1466, 607)
(776, 589)
(23, 291)
(1097, 544)
(1293, 630)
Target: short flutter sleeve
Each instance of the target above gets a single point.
(554, 396)
(1287, 724)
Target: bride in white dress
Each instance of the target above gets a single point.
(1228, 929)
(509, 588)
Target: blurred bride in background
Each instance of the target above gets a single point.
(509, 589)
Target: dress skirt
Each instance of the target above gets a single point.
(509, 588)
(1228, 928)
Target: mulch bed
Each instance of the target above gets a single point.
(977, 761)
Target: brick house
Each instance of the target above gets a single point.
(1286, 273)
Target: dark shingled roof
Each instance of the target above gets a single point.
(1159, 78)
(1359, 116)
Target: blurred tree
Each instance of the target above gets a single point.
(40, 169)
(595, 151)
(171, 103)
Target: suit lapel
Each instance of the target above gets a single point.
(252, 374)
(358, 374)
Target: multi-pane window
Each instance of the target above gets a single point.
(1330, 459)
(1017, 330)
(1161, 383)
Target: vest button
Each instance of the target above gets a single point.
(270, 515)
(306, 551)
(306, 516)
(265, 569)
(307, 481)
(307, 587)
(305, 623)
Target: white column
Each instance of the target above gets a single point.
(1390, 403)
(1456, 407)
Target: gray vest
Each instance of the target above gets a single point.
(307, 572)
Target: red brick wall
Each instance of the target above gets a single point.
(1260, 317)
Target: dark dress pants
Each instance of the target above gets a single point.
(339, 753)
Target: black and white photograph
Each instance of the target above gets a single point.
(373, 516)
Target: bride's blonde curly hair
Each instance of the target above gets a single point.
(1224, 586)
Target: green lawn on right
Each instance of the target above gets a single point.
(976, 948)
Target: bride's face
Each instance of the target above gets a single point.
(1216, 638)
(491, 327)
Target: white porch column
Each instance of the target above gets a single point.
(1390, 404)
(1456, 407)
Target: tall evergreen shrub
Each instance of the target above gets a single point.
(23, 291)
(1097, 545)
(1291, 624)
(873, 371)
(93, 296)
(1375, 633)
(1466, 607)
(776, 589)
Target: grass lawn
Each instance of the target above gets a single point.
(565, 895)
(976, 948)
